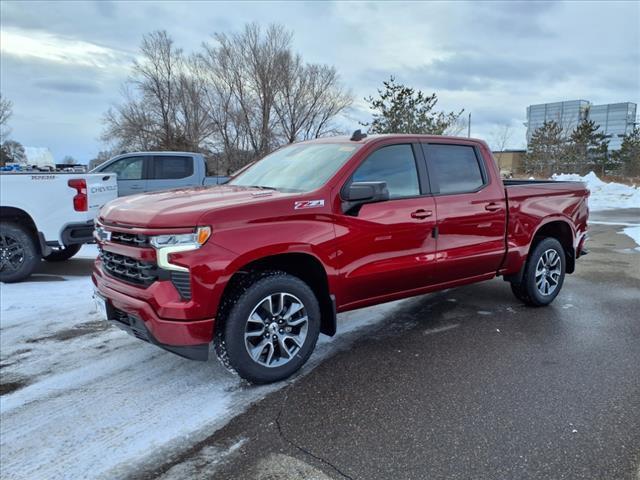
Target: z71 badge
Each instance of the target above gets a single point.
(308, 204)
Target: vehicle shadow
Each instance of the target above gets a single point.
(75, 267)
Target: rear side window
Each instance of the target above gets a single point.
(166, 167)
(455, 168)
(395, 165)
(129, 168)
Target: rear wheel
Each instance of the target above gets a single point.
(270, 327)
(64, 253)
(19, 254)
(544, 274)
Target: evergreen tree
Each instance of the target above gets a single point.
(589, 148)
(547, 149)
(401, 109)
(629, 154)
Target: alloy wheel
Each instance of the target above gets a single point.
(276, 329)
(11, 254)
(548, 272)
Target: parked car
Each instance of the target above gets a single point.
(261, 266)
(140, 172)
(47, 215)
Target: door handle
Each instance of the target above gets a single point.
(492, 207)
(136, 187)
(421, 214)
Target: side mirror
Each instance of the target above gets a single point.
(360, 193)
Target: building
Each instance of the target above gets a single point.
(615, 119)
(510, 162)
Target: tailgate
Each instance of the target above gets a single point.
(101, 188)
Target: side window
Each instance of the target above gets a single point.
(455, 167)
(165, 167)
(129, 168)
(395, 165)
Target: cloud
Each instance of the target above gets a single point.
(58, 49)
(490, 58)
(67, 86)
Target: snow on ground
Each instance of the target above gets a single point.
(605, 195)
(634, 233)
(82, 399)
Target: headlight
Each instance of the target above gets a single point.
(195, 240)
(165, 245)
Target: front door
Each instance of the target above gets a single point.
(387, 247)
(130, 172)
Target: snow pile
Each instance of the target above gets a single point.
(40, 156)
(634, 233)
(605, 196)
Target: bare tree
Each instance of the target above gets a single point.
(501, 137)
(251, 65)
(310, 98)
(159, 106)
(6, 110)
(237, 99)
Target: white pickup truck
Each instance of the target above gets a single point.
(47, 215)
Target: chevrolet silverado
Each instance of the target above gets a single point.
(260, 266)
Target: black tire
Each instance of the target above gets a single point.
(238, 306)
(532, 288)
(19, 252)
(62, 254)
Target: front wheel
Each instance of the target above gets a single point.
(544, 274)
(270, 327)
(62, 254)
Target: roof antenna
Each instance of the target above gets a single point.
(358, 135)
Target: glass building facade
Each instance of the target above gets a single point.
(614, 119)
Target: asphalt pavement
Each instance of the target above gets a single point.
(466, 383)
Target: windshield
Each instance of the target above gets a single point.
(296, 168)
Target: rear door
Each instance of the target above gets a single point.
(387, 247)
(170, 171)
(471, 211)
(130, 172)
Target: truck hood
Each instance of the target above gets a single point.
(180, 207)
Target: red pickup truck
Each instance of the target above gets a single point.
(260, 266)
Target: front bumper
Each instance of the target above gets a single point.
(136, 327)
(184, 337)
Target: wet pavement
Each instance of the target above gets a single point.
(467, 383)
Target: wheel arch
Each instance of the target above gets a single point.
(303, 265)
(17, 215)
(560, 230)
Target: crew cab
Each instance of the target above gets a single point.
(260, 266)
(47, 215)
(140, 172)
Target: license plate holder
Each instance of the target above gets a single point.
(101, 306)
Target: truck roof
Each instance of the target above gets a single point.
(165, 152)
(373, 138)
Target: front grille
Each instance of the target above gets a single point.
(137, 240)
(182, 282)
(129, 269)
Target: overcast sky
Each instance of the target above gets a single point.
(62, 64)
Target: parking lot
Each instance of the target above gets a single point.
(466, 383)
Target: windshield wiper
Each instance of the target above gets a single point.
(263, 187)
